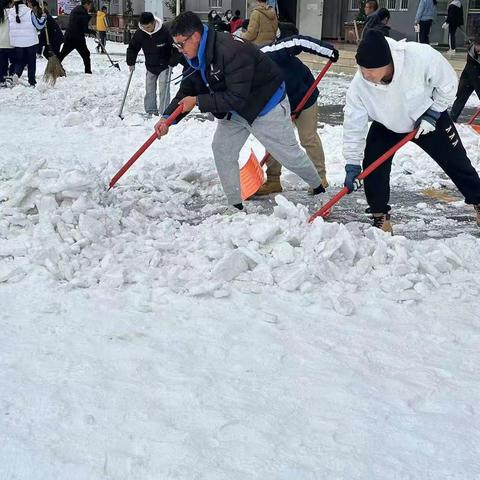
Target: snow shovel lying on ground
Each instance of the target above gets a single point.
(114, 64)
(476, 128)
(125, 95)
(247, 182)
(142, 149)
(325, 210)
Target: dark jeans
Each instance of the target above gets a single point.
(103, 39)
(81, 47)
(443, 145)
(425, 26)
(26, 56)
(452, 40)
(7, 62)
(469, 82)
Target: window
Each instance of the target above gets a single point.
(394, 5)
(214, 3)
(353, 5)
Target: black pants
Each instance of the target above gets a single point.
(443, 145)
(103, 40)
(452, 40)
(80, 45)
(7, 62)
(26, 56)
(469, 82)
(424, 35)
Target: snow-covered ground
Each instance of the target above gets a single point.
(144, 336)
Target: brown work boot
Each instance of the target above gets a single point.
(477, 210)
(272, 185)
(382, 221)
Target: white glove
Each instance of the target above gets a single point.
(445, 26)
(132, 68)
(424, 128)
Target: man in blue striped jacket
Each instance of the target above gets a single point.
(298, 79)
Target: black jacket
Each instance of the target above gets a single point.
(298, 77)
(454, 16)
(157, 48)
(78, 24)
(55, 34)
(240, 78)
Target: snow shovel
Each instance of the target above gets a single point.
(114, 64)
(142, 149)
(325, 210)
(250, 165)
(251, 177)
(125, 94)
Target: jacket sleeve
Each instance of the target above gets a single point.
(449, 14)
(355, 127)
(239, 72)
(133, 48)
(420, 10)
(288, 47)
(442, 77)
(253, 27)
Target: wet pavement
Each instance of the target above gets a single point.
(418, 215)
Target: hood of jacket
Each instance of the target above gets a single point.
(158, 26)
(23, 12)
(457, 3)
(268, 12)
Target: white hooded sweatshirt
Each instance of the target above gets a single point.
(422, 79)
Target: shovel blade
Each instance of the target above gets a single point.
(251, 177)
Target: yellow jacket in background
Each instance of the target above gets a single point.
(101, 21)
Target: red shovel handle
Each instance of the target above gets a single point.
(389, 153)
(302, 103)
(142, 149)
(475, 115)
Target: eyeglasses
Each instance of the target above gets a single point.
(181, 45)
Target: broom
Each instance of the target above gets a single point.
(54, 68)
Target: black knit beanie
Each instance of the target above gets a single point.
(373, 51)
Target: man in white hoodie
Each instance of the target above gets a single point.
(401, 86)
(157, 44)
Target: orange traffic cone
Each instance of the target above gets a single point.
(251, 177)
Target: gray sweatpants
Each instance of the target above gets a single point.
(150, 101)
(275, 132)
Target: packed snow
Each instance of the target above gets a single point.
(145, 335)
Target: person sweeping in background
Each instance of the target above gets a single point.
(157, 44)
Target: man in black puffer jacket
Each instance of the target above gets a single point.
(156, 42)
(75, 34)
(298, 79)
(245, 90)
(469, 80)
